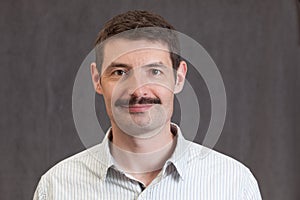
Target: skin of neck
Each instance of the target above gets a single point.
(141, 145)
(161, 140)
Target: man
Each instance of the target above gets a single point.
(143, 155)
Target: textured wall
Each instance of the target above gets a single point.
(254, 43)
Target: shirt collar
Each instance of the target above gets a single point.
(178, 159)
(180, 155)
(105, 157)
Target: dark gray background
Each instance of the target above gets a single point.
(255, 44)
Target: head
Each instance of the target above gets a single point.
(134, 71)
(133, 20)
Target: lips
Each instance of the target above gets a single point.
(138, 108)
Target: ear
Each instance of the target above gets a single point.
(96, 78)
(180, 77)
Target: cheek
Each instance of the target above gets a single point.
(166, 96)
(107, 99)
(107, 92)
(107, 105)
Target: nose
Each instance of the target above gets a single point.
(137, 84)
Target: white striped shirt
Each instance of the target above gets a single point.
(192, 172)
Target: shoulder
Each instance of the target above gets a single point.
(210, 158)
(75, 168)
(222, 169)
(85, 158)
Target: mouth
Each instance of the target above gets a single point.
(137, 105)
(138, 108)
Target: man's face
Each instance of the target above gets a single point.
(137, 82)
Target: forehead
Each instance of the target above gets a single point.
(135, 52)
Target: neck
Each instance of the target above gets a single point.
(140, 157)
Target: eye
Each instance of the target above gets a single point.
(156, 71)
(119, 72)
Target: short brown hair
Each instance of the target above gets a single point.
(132, 20)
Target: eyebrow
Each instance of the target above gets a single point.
(116, 65)
(123, 65)
(155, 64)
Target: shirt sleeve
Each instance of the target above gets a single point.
(250, 189)
(40, 193)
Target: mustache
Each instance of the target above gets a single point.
(137, 100)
